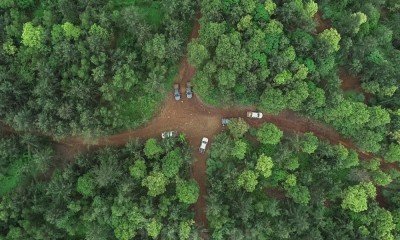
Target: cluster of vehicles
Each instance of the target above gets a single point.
(204, 140)
(189, 95)
(177, 93)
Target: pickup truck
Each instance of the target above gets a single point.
(254, 114)
(168, 134)
(224, 121)
(203, 145)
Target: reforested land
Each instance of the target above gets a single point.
(264, 185)
(269, 54)
(22, 157)
(138, 191)
(88, 67)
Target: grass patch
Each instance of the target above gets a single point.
(151, 12)
(137, 111)
(13, 176)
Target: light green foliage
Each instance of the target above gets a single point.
(355, 197)
(156, 183)
(238, 127)
(239, 150)
(172, 163)
(247, 180)
(270, 6)
(330, 40)
(300, 194)
(245, 23)
(126, 219)
(138, 169)
(351, 160)
(264, 165)
(198, 53)
(310, 8)
(309, 143)
(268, 133)
(378, 117)
(227, 78)
(381, 178)
(71, 31)
(86, 185)
(291, 180)
(272, 101)
(292, 163)
(32, 36)
(9, 47)
(393, 153)
(283, 77)
(385, 225)
(184, 229)
(96, 31)
(187, 191)
(154, 228)
(152, 149)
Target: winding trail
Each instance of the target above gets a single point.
(197, 120)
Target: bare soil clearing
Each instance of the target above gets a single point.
(322, 23)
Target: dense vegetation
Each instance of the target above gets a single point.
(268, 186)
(136, 191)
(88, 67)
(21, 158)
(92, 67)
(268, 53)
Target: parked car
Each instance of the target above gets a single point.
(225, 121)
(203, 145)
(168, 134)
(254, 114)
(189, 92)
(177, 94)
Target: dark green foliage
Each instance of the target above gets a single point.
(79, 202)
(87, 67)
(302, 189)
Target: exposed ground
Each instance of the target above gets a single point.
(322, 24)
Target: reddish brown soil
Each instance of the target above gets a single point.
(322, 24)
(352, 83)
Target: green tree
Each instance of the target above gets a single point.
(268, 133)
(239, 150)
(86, 185)
(187, 191)
(172, 162)
(248, 180)
(393, 153)
(309, 143)
(264, 165)
(272, 101)
(71, 31)
(184, 229)
(198, 53)
(154, 228)
(152, 149)
(238, 127)
(355, 197)
(32, 36)
(156, 183)
(138, 169)
(329, 40)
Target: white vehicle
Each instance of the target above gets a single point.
(169, 134)
(203, 145)
(254, 114)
